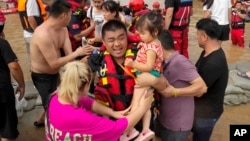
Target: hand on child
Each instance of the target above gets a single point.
(120, 114)
(168, 91)
(141, 44)
(128, 62)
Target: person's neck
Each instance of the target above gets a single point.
(167, 53)
(211, 46)
(120, 60)
(65, 101)
(54, 24)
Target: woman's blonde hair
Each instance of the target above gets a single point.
(74, 77)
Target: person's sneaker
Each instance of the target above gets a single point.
(145, 136)
(129, 135)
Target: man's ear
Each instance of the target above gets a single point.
(204, 36)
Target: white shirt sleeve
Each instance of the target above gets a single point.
(32, 8)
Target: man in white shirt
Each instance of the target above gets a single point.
(220, 11)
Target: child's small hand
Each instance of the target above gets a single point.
(128, 62)
(141, 44)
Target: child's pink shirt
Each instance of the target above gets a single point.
(67, 122)
(142, 56)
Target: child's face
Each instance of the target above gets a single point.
(145, 35)
(97, 3)
(108, 15)
(238, 6)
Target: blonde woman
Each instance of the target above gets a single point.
(73, 115)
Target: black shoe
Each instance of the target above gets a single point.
(37, 124)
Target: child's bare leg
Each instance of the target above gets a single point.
(146, 120)
(137, 95)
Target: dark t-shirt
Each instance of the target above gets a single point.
(214, 71)
(6, 56)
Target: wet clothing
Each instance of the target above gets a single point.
(80, 123)
(8, 118)
(179, 23)
(46, 84)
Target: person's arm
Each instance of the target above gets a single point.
(168, 17)
(229, 12)
(100, 109)
(32, 22)
(67, 47)
(50, 51)
(241, 14)
(151, 57)
(85, 32)
(32, 11)
(196, 88)
(207, 12)
(17, 74)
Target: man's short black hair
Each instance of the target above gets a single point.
(58, 7)
(113, 25)
(210, 27)
(166, 39)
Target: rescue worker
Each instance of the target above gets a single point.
(115, 85)
(32, 13)
(238, 25)
(177, 22)
(79, 25)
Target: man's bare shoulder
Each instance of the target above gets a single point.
(41, 32)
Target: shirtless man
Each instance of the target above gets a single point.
(47, 41)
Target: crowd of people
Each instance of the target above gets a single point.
(135, 61)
